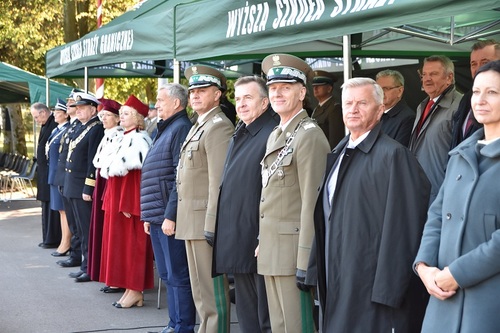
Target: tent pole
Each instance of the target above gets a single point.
(47, 92)
(346, 52)
(86, 78)
(177, 71)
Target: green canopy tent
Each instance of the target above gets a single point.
(252, 29)
(20, 86)
(135, 44)
(190, 30)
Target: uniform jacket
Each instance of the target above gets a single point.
(330, 119)
(237, 228)
(63, 152)
(158, 190)
(43, 188)
(287, 201)
(80, 171)
(398, 122)
(52, 150)
(199, 173)
(431, 146)
(463, 233)
(459, 118)
(375, 223)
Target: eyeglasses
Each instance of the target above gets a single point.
(390, 88)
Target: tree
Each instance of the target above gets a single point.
(29, 28)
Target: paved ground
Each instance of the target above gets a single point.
(36, 295)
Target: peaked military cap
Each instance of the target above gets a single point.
(60, 105)
(82, 98)
(286, 68)
(201, 76)
(73, 92)
(323, 77)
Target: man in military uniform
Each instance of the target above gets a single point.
(75, 258)
(79, 179)
(198, 179)
(292, 169)
(328, 113)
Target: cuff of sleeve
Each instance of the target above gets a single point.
(90, 182)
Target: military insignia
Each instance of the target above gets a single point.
(309, 125)
(276, 60)
(197, 136)
(281, 174)
(216, 119)
(78, 98)
(194, 69)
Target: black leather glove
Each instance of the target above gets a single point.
(209, 236)
(301, 280)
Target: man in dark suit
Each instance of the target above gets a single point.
(51, 223)
(464, 123)
(328, 113)
(368, 221)
(237, 223)
(397, 119)
(79, 179)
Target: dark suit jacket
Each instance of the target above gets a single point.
(237, 223)
(43, 188)
(398, 122)
(330, 120)
(458, 121)
(364, 256)
(63, 153)
(80, 171)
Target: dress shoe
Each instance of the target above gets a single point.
(127, 303)
(110, 290)
(59, 254)
(75, 274)
(69, 263)
(168, 329)
(48, 246)
(83, 278)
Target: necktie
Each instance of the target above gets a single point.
(278, 133)
(468, 123)
(425, 114)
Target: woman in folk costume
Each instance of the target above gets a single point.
(52, 153)
(127, 255)
(113, 134)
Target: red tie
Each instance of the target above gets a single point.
(468, 124)
(425, 114)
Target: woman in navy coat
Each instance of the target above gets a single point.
(459, 256)
(52, 153)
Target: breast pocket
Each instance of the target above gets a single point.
(193, 156)
(285, 175)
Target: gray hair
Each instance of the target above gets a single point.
(40, 107)
(178, 91)
(253, 78)
(396, 76)
(378, 93)
(449, 68)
